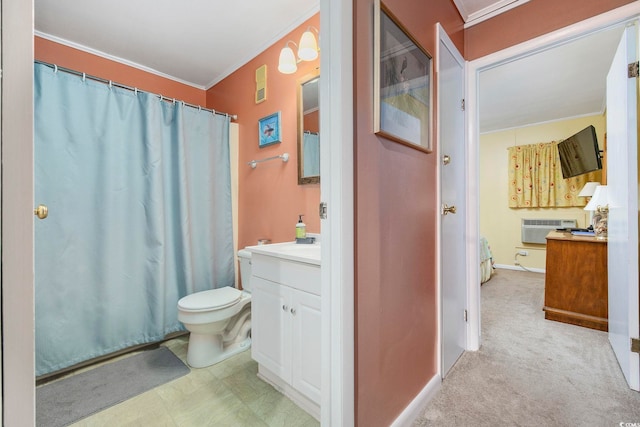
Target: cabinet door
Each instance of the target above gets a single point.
(307, 362)
(271, 327)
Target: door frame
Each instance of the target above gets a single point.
(337, 230)
(556, 38)
(18, 372)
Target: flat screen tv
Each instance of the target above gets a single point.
(580, 153)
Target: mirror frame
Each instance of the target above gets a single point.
(307, 78)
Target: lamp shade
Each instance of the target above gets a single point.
(287, 61)
(308, 50)
(588, 189)
(600, 198)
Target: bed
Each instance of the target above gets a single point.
(486, 260)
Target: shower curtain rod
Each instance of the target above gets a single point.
(132, 89)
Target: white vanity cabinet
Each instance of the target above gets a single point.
(286, 327)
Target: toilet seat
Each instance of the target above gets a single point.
(213, 299)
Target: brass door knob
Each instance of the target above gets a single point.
(448, 210)
(42, 211)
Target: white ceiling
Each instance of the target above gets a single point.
(200, 42)
(564, 82)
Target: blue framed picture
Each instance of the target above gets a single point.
(269, 130)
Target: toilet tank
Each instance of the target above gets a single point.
(244, 257)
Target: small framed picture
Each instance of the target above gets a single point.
(269, 130)
(402, 83)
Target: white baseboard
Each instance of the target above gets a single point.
(311, 407)
(518, 268)
(417, 405)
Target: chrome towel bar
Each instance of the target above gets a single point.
(254, 163)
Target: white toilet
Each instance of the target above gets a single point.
(219, 319)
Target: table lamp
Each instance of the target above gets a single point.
(599, 206)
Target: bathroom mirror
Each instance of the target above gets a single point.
(309, 130)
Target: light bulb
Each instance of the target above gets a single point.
(308, 50)
(287, 61)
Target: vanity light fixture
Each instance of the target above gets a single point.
(307, 51)
(287, 63)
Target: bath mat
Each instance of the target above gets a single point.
(68, 400)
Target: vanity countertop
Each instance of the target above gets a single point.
(309, 254)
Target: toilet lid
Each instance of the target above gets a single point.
(211, 299)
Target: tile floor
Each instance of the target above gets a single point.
(226, 394)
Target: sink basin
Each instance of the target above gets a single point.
(290, 250)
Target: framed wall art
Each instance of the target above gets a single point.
(269, 130)
(403, 76)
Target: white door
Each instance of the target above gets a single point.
(307, 328)
(622, 182)
(452, 195)
(271, 327)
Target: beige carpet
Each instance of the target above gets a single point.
(530, 371)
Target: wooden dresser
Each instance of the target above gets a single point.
(576, 280)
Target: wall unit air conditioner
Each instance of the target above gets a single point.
(535, 230)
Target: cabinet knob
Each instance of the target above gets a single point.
(293, 311)
(41, 211)
(285, 308)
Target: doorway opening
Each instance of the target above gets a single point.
(611, 21)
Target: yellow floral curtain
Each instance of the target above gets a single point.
(535, 178)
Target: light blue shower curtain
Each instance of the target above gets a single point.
(139, 199)
(311, 154)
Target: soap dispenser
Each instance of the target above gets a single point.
(301, 229)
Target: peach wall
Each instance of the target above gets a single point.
(396, 217)
(270, 197)
(530, 20)
(68, 57)
(312, 121)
